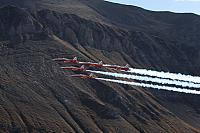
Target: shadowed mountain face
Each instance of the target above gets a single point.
(37, 96)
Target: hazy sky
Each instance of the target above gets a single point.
(165, 5)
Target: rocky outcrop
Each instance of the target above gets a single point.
(18, 25)
(140, 46)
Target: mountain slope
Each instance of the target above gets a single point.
(36, 96)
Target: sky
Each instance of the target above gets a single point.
(181, 6)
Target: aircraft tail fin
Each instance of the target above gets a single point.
(92, 75)
(75, 58)
(101, 62)
(83, 66)
(127, 65)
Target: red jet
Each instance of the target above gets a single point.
(120, 68)
(91, 76)
(99, 65)
(65, 60)
(82, 68)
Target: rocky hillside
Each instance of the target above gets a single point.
(36, 96)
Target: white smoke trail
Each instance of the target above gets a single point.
(152, 86)
(173, 76)
(150, 79)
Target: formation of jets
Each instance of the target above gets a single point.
(89, 64)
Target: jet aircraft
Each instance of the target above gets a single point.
(99, 65)
(82, 68)
(120, 68)
(65, 60)
(83, 76)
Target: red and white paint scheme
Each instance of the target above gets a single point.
(82, 68)
(120, 68)
(99, 65)
(91, 76)
(65, 60)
